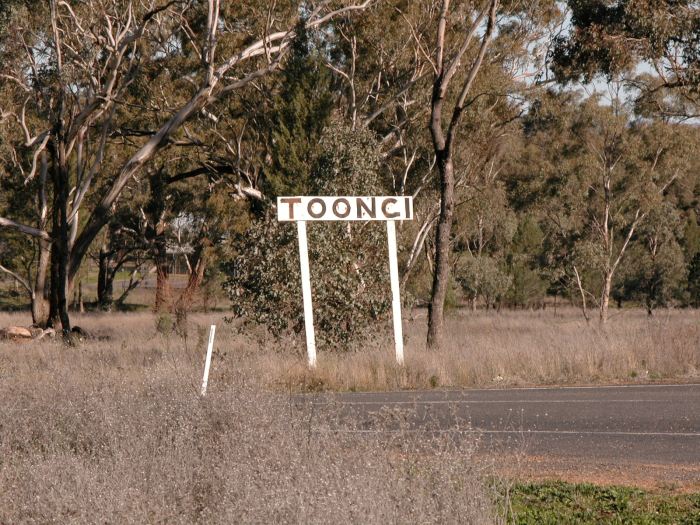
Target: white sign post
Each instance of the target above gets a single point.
(388, 209)
(306, 294)
(395, 292)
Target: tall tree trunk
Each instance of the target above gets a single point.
(40, 305)
(443, 143)
(60, 250)
(196, 276)
(162, 271)
(605, 297)
(64, 244)
(61, 228)
(441, 276)
(105, 280)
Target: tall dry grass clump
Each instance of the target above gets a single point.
(487, 349)
(115, 431)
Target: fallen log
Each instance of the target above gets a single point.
(20, 333)
(15, 332)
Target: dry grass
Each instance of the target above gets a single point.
(114, 431)
(512, 349)
(483, 349)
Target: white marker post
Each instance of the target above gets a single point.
(389, 209)
(207, 362)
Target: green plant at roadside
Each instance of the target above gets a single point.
(348, 260)
(558, 502)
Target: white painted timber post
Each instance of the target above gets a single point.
(395, 291)
(207, 363)
(306, 293)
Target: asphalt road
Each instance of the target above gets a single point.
(645, 424)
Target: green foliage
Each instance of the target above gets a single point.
(594, 176)
(659, 271)
(694, 281)
(657, 278)
(265, 255)
(484, 228)
(348, 260)
(482, 277)
(301, 111)
(691, 236)
(527, 286)
(613, 38)
(559, 502)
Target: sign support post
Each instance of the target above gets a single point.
(306, 293)
(395, 292)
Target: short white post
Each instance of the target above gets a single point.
(306, 293)
(395, 291)
(207, 363)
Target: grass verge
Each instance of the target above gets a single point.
(562, 503)
(116, 432)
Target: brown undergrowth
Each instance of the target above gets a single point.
(114, 430)
(485, 350)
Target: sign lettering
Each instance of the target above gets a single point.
(344, 209)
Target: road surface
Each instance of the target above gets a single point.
(646, 428)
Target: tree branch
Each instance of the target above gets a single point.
(27, 230)
(16, 277)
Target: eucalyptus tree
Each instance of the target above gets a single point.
(470, 37)
(482, 232)
(616, 38)
(659, 274)
(104, 87)
(596, 176)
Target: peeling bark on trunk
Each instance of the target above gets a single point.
(40, 303)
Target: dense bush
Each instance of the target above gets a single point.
(349, 268)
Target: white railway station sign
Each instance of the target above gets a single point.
(387, 209)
